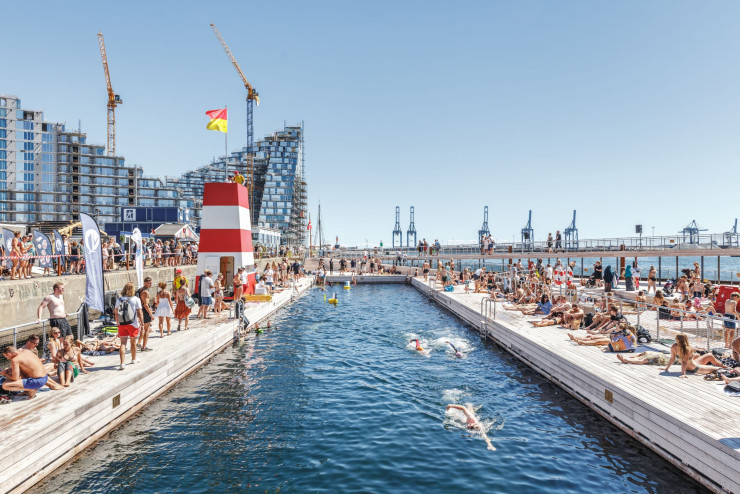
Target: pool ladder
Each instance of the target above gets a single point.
(487, 309)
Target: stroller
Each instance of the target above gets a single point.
(591, 282)
(669, 286)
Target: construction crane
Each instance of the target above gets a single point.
(113, 100)
(252, 98)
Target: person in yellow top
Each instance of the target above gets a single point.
(180, 280)
(238, 178)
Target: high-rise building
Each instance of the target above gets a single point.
(49, 174)
(278, 202)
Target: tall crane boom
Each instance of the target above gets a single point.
(252, 98)
(113, 100)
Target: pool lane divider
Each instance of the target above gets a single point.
(698, 433)
(47, 433)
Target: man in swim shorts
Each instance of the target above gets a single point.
(26, 373)
(57, 312)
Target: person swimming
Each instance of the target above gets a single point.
(418, 345)
(457, 352)
(472, 422)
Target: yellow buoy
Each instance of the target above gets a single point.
(333, 301)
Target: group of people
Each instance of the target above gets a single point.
(424, 247)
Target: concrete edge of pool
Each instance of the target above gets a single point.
(58, 425)
(668, 431)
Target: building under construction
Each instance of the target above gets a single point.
(278, 200)
(49, 174)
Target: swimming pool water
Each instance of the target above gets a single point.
(336, 399)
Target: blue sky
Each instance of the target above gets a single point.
(625, 111)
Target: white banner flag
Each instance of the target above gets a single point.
(94, 286)
(139, 259)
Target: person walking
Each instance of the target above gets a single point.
(164, 308)
(57, 313)
(143, 295)
(129, 319)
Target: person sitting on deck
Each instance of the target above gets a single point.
(606, 322)
(683, 285)
(562, 305)
(572, 318)
(691, 363)
(544, 306)
(26, 373)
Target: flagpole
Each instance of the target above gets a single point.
(226, 146)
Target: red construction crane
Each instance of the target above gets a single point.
(113, 100)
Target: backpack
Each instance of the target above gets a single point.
(588, 320)
(126, 314)
(643, 335)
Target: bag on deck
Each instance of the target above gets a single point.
(643, 335)
(621, 342)
(588, 320)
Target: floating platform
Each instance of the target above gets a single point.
(689, 422)
(45, 433)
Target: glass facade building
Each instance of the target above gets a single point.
(49, 174)
(279, 198)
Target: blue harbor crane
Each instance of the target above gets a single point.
(528, 234)
(731, 236)
(692, 230)
(411, 230)
(571, 235)
(397, 229)
(484, 229)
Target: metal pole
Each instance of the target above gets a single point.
(719, 276)
(702, 267)
(660, 275)
(676, 268)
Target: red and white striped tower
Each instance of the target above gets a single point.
(226, 232)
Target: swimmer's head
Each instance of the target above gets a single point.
(458, 354)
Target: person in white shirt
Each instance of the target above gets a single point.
(206, 289)
(269, 274)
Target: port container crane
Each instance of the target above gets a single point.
(484, 229)
(252, 98)
(397, 230)
(411, 231)
(528, 234)
(571, 235)
(113, 99)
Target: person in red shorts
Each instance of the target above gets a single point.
(129, 318)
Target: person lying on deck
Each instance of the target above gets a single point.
(600, 339)
(544, 306)
(645, 358)
(691, 363)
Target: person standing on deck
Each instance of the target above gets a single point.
(558, 241)
(549, 242)
(206, 290)
(143, 295)
(57, 313)
(636, 274)
(731, 316)
(129, 316)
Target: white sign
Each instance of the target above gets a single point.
(129, 214)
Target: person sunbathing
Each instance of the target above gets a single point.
(691, 363)
(544, 306)
(26, 373)
(645, 358)
(547, 322)
(604, 322)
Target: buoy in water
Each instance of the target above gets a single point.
(347, 286)
(333, 300)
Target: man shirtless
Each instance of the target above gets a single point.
(57, 313)
(572, 318)
(26, 373)
(472, 422)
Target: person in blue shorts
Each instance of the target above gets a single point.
(26, 373)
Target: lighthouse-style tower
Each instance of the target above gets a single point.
(226, 233)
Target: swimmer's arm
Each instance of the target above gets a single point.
(464, 410)
(488, 441)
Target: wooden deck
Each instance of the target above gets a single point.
(690, 422)
(43, 434)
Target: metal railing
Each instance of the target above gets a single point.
(486, 304)
(13, 335)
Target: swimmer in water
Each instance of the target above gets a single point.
(472, 422)
(457, 352)
(418, 345)
(257, 328)
(270, 326)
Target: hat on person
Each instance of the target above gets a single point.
(178, 271)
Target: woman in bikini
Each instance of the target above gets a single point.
(218, 293)
(652, 279)
(691, 363)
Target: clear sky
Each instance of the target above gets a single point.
(626, 111)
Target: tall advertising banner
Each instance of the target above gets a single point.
(43, 249)
(59, 247)
(94, 287)
(139, 260)
(7, 238)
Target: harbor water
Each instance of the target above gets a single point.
(337, 399)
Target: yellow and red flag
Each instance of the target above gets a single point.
(218, 120)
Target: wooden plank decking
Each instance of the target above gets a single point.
(43, 434)
(690, 422)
